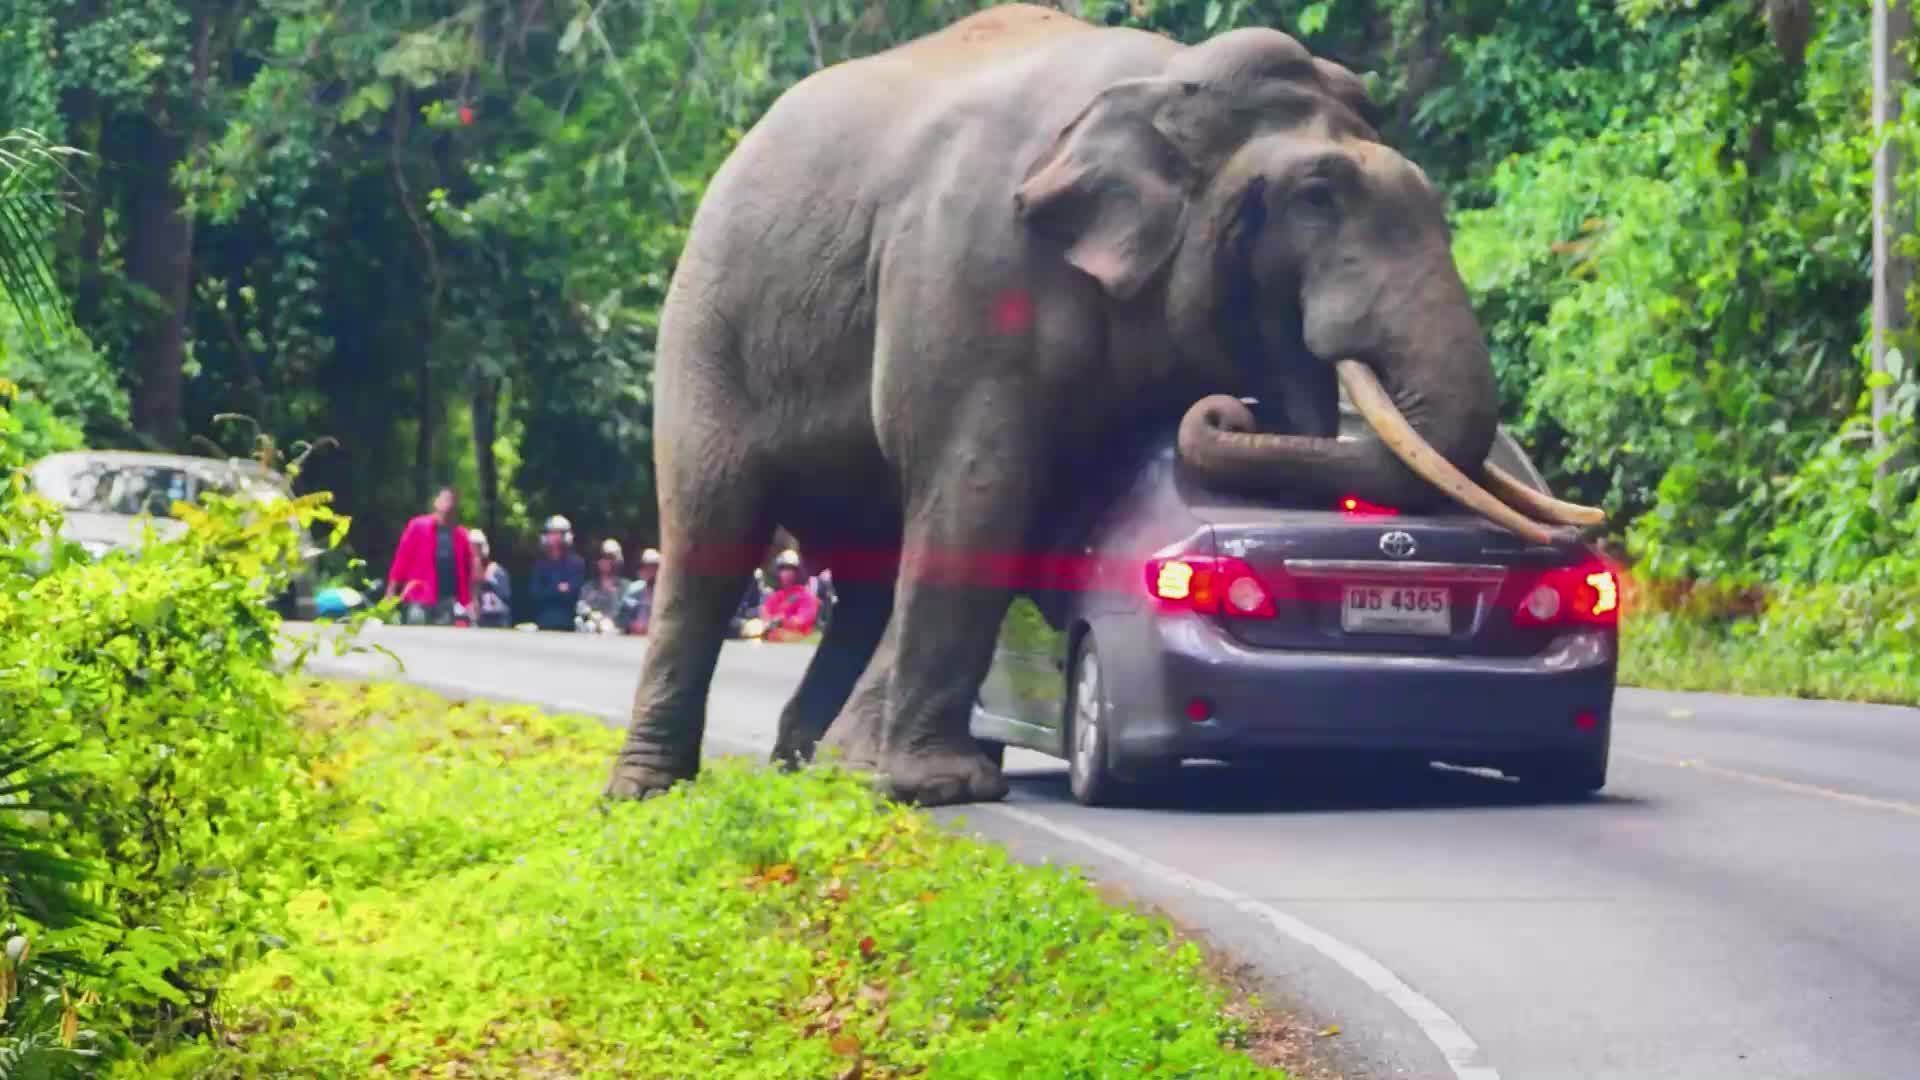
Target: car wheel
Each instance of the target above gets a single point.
(1089, 770)
(1564, 776)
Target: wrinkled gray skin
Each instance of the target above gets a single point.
(845, 350)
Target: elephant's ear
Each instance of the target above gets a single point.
(1113, 187)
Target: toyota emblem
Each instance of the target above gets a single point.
(1398, 545)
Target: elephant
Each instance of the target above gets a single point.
(930, 283)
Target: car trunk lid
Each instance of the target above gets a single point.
(1444, 585)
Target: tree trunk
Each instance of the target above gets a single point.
(80, 112)
(486, 411)
(160, 267)
(160, 249)
(1892, 215)
(423, 434)
(399, 133)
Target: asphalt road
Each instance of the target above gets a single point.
(1743, 901)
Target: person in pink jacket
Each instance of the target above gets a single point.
(432, 569)
(790, 609)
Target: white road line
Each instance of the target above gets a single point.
(1461, 1052)
(1870, 802)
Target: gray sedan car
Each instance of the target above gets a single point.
(108, 497)
(1176, 622)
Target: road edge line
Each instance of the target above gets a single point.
(1462, 1054)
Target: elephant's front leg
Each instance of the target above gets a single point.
(961, 558)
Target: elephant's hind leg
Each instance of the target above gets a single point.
(714, 529)
(859, 619)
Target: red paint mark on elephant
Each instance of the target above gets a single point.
(1013, 312)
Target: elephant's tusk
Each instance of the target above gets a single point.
(1536, 504)
(1371, 399)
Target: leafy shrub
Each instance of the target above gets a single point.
(43, 891)
(470, 911)
(155, 675)
(67, 386)
(1676, 307)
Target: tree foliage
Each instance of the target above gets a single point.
(442, 230)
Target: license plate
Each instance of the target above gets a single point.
(1396, 609)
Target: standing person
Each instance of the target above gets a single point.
(603, 594)
(558, 576)
(432, 570)
(791, 608)
(496, 587)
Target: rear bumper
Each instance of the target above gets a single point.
(1268, 701)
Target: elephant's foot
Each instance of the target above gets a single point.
(637, 776)
(941, 776)
(849, 749)
(791, 753)
(793, 741)
(853, 742)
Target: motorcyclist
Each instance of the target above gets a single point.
(823, 589)
(558, 576)
(746, 621)
(791, 608)
(495, 586)
(636, 607)
(601, 598)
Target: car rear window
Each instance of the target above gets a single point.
(112, 487)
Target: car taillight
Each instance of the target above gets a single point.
(1355, 506)
(1584, 595)
(1210, 585)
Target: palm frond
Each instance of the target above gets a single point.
(31, 206)
(35, 878)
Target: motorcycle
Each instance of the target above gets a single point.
(588, 621)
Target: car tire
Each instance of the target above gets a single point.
(1090, 772)
(1564, 776)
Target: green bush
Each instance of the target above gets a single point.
(1676, 301)
(155, 676)
(1856, 642)
(43, 892)
(68, 388)
(469, 911)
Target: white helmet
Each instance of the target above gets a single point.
(477, 540)
(788, 557)
(650, 557)
(611, 549)
(559, 524)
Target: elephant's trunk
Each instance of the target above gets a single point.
(1399, 467)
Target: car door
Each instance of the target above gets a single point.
(1025, 686)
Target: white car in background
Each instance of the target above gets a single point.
(107, 495)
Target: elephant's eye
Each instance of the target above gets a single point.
(1316, 194)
